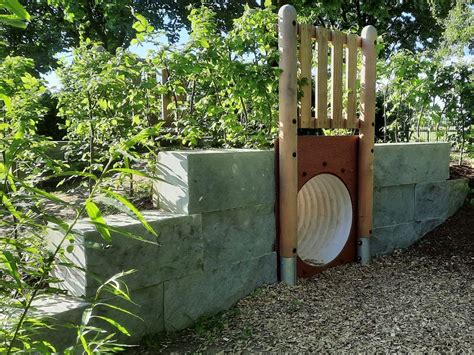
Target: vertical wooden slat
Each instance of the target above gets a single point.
(367, 136)
(336, 79)
(351, 78)
(165, 99)
(322, 79)
(288, 168)
(305, 64)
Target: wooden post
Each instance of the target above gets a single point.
(165, 100)
(366, 142)
(288, 125)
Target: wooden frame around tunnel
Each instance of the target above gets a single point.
(290, 34)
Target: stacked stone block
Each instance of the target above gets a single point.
(412, 195)
(216, 229)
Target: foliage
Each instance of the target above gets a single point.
(409, 25)
(26, 262)
(431, 90)
(21, 109)
(224, 87)
(46, 35)
(104, 99)
(59, 25)
(15, 16)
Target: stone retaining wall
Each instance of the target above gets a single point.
(412, 194)
(217, 232)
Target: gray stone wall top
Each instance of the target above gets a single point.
(409, 163)
(212, 180)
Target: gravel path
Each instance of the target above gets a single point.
(418, 300)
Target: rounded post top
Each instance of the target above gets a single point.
(369, 32)
(287, 12)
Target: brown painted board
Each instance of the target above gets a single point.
(337, 156)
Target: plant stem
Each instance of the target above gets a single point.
(52, 258)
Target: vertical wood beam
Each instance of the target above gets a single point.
(322, 79)
(336, 79)
(165, 100)
(366, 143)
(351, 79)
(305, 64)
(288, 188)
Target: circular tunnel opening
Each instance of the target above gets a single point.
(324, 219)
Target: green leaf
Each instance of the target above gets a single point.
(133, 209)
(43, 193)
(84, 344)
(86, 315)
(10, 262)
(131, 171)
(117, 325)
(118, 309)
(74, 173)
(145, 133)
(12, 21)
(8, 204)
(15, 7)
(94, 214)
(122, 231)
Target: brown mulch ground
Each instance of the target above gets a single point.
(462, 171)
(416, 300)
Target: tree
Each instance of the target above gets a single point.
(411, 25)
(59, 25)
(46, 35)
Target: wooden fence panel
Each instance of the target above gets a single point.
(322, 78)
(351, 79)
(305, 65)
(336, 79)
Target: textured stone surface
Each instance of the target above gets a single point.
(394, 205)
(386, 239)
(408, 163)
(179, 253)
(61, 313)
(237, 234)
(457, 190)
(205, 293)
(147, 304)
(431, 200)
(211, 180)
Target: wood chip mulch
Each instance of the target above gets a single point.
(416, 300)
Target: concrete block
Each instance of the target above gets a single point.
(147, 304)
(206, 293)
(431, 200)
(457, 191)
(62, 314)
(237, 234)
(179, 253)
(211, 180)
(426, 226)
(386, 239)
(409, 163)
(394, 205)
